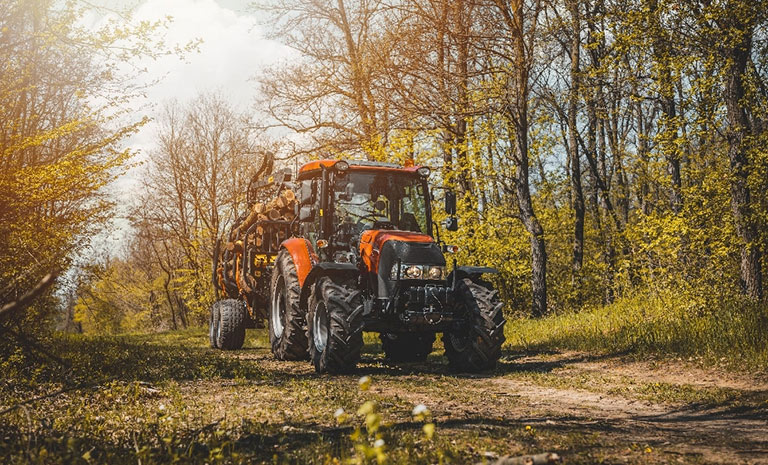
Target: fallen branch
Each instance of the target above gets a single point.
(9, 309)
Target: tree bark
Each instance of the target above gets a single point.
(662, 53)
(577, 195)
(737, 56)
(517, 109)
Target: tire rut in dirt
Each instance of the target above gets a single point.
(406, 347)
(230, 328)
(337, 309)
(478, 347)
(287, 335)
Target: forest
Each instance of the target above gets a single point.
(602, 151)
(610, 159)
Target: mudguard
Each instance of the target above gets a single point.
(324, 269)
(304, 257)
(471, 272)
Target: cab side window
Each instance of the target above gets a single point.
(310, 202)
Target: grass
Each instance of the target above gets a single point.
(168, 398)
(732, 333)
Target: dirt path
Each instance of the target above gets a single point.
(169, 397)
(589, 409)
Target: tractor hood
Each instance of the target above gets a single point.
(372, 243)
(382, 249)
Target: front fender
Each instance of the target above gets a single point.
(304, 257)
(471, 272)
(324, 269)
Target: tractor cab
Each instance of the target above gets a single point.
(344, 205)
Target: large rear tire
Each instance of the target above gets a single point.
(335, 331)
(287, 322)
(228, 324)
(477, 347)
(407, 347)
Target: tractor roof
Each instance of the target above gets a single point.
(308, 169)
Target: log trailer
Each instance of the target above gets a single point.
(347, 247)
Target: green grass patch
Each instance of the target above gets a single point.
(730, 332)
(86, 360)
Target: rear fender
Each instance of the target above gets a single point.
(304, 257)
(343, 270)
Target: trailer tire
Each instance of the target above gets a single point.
(287, 322)
(478, 346)
(335, 326)
(229, 317)
(406, 347)
(213, 325)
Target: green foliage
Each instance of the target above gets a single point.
(729, 330)
(65, 117)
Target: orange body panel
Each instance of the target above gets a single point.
(315, 165)
(304, 258)
(373, 240)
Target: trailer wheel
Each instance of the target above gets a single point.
(287, 323)
(478, 346)
(406, 347)
(335, 331)
(228, 328)
(213, 325)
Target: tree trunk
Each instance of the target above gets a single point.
(738, 147)
(531, 222)
(166, 285)
(577, 195)
(518, 110)
(662, 53)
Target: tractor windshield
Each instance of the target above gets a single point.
(381, 201)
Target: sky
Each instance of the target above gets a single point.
(232, 51)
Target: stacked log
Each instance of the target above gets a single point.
(280, 209)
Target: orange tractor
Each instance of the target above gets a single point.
(352, 248)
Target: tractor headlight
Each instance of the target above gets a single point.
(435, 272)
(413, 272)
(418, 272)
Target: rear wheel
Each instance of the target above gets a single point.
(335, 331)
(476, 347)
(407, 347)
(228, 333)
(287, 323)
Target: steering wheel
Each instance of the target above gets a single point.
(384, 225)
(371, 215)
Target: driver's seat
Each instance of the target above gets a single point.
(408, 222)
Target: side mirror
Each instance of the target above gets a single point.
(305, 193)
(451, 223)
(450, 202)
(306, 213)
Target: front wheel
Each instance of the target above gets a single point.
(287, 324)
(335, 326)
(476, 347)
